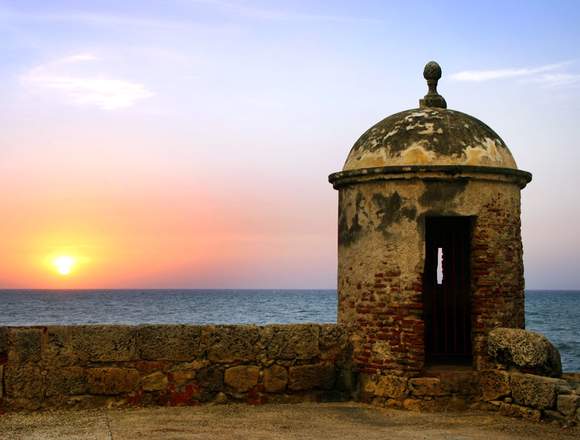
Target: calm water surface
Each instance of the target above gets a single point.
(553, 313)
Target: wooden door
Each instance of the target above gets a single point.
(446, 290)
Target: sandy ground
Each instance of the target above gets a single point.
(272, 422)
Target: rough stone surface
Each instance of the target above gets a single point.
(23, 381)
(390, 386)
(182, 376)
(298, 342)
(413, 405)
(568, 403)
(25, 344)
(306, 377)
(534, 391)
(512, 410)
(154, 382)
(524, 350)
(103, 343)
(243, 377)
(231, 343)
(88, 366)
(177, 343)
(66, 381)
(111, 381)
(494, 384)
(458, 382)
(275, 379)
(425, 386)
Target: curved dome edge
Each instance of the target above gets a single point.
(429, 136)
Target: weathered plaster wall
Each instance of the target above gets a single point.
(381, 262)
(84, 366)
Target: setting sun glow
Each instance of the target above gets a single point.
(64, 264)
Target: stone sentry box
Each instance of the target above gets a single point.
(423, 188)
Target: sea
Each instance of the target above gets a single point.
(553, 313)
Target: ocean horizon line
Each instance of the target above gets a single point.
(243, 289)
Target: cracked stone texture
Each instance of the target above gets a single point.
(526, 351)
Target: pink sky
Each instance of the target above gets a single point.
(188, 144)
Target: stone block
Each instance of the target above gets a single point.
(231, 343)
(23, 381)
(390, 386)
(275, 379)
(307, 377)
(425, 386)
(412, 405)
(526, 351)
(181, 377)
(1, 381)
(551, 415)
(512, 410)
(168, 342)
(210, 378)
(535, 391)
(567, 404)
(243, 377)
(333, 341)
(103, 343)
(66, 381)
(58, 351)
(289, 342)
(494, 384)
(24, 345)
(112, 380)
(154, 382)
(464, 383)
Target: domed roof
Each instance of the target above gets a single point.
(429, 135)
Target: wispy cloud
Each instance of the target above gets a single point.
(550, 75)
(84, 89)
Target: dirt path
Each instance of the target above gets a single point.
(272, 422)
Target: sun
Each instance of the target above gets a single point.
(64, 264)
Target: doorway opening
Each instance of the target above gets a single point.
(447, 290)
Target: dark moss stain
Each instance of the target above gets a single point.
(349, 234)
(450, 133)
(391, 209)
(442, 193)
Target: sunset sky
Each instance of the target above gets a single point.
(187, 143)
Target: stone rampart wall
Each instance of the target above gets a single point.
(86, 366)
(511, 393)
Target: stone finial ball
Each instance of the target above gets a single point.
(432, 71)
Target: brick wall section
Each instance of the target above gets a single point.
(88, 366)
(396, 327)
(497, 272)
